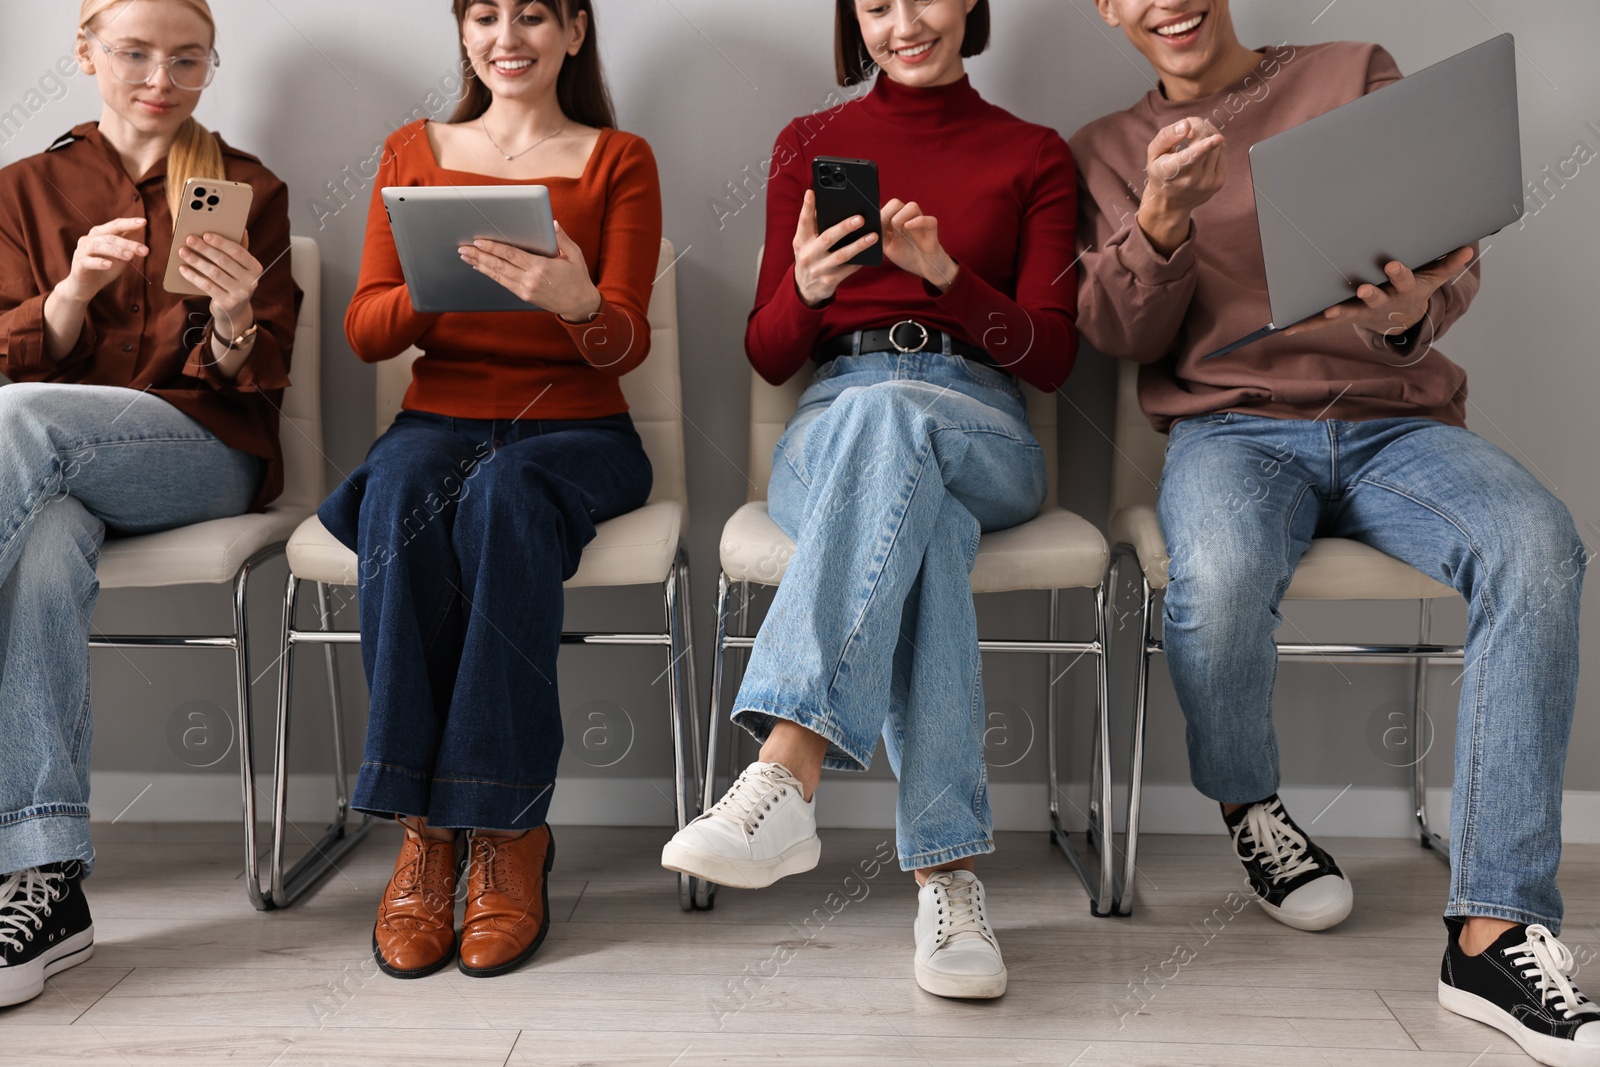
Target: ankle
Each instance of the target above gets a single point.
(1479, 932)
(416, 824)
(800, 751)
(965, 863)
(500, 835)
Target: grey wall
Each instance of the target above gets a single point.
(313, 87)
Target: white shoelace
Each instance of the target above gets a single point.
(1282, 851)
(25, 898)
(1547, 959)
(751, 796)
(960, 910)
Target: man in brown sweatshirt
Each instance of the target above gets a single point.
(1351, 424)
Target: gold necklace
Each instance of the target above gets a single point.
(508, 157)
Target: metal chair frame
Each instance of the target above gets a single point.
(1101, 887)
(1420, 654)
(287, 886)
(238, 643)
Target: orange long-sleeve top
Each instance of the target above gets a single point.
(516, 364)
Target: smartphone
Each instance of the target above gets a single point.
(847, 187)
(209, 206)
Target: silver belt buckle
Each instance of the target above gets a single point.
(919, 346)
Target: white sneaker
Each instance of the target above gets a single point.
(761, 830)
(957, 954)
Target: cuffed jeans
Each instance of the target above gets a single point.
(74, 460)
(885, 477)
(1240, 501)
(465, 530)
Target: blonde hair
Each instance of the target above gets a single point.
(195, 153)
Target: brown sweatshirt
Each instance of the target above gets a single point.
(1134, 303)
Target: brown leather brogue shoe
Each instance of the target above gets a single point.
(415, 932)
(508, 901)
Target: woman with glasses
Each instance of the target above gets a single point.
(475, 506)
(133, 410)
(911, 439)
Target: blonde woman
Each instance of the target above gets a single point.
(134, 410)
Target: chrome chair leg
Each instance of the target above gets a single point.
(323, 857)
(1130, 833)
(682, 761)
(247, 767)
(1430, 838)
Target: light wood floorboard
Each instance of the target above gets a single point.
(815, 970)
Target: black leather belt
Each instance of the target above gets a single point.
(906, 336)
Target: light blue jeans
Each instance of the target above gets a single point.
(1240, 501)
(74, 460)
(885, 477)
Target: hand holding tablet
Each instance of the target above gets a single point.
(558, 283)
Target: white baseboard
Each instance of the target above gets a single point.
(1167, 809)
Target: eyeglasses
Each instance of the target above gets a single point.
(134, 67)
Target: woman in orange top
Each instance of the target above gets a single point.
(132, 409)
(473, 509)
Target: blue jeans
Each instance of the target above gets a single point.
(1240, 501)
(465, 530)
(885, 476)
(75, 460)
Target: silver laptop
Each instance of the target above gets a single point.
(1410, 173)
(430, 222)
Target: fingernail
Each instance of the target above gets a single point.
(1181, 128)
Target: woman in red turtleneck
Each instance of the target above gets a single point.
(911, 440)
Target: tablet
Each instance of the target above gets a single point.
(431, 222)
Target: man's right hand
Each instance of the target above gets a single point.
(100, 258)
(1185, 167)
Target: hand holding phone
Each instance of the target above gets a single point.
(840, 227)
(219, 209)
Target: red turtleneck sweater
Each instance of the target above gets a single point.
(1004, 192)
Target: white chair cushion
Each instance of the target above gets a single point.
(1334, 568)
(207, 553)
(1057, 550)
(633, 549)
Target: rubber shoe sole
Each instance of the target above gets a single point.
(420, 972)
(742, 874)
(1553, 1051)
(960, 986)
(26, 982)
(1332, 915)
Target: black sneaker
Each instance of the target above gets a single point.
(1295, 882)
(1522, 986)
(44, 928)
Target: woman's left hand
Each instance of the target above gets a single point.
(911, 242)
(558, 283)
(225, 271)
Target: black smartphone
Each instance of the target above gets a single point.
(847, 187)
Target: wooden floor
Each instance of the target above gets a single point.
(815, 970)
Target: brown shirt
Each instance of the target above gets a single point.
(1166, 313)
(136, 334)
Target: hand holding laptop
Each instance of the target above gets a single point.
(558, 283)
(1395, 307)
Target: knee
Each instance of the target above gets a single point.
(506, 491)
(1541, 553)
(23, 409)
(1223, 585)
(63, 543)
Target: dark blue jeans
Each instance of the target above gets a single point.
(465, 530)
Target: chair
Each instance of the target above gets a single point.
(1334, 568)
(644, 547)
(1055, 551)
(225, 551)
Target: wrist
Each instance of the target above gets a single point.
(584, 312)
(942, 272)
(1165, 227)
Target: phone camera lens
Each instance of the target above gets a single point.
(213, 200)
(196, 206)
(199, 191)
